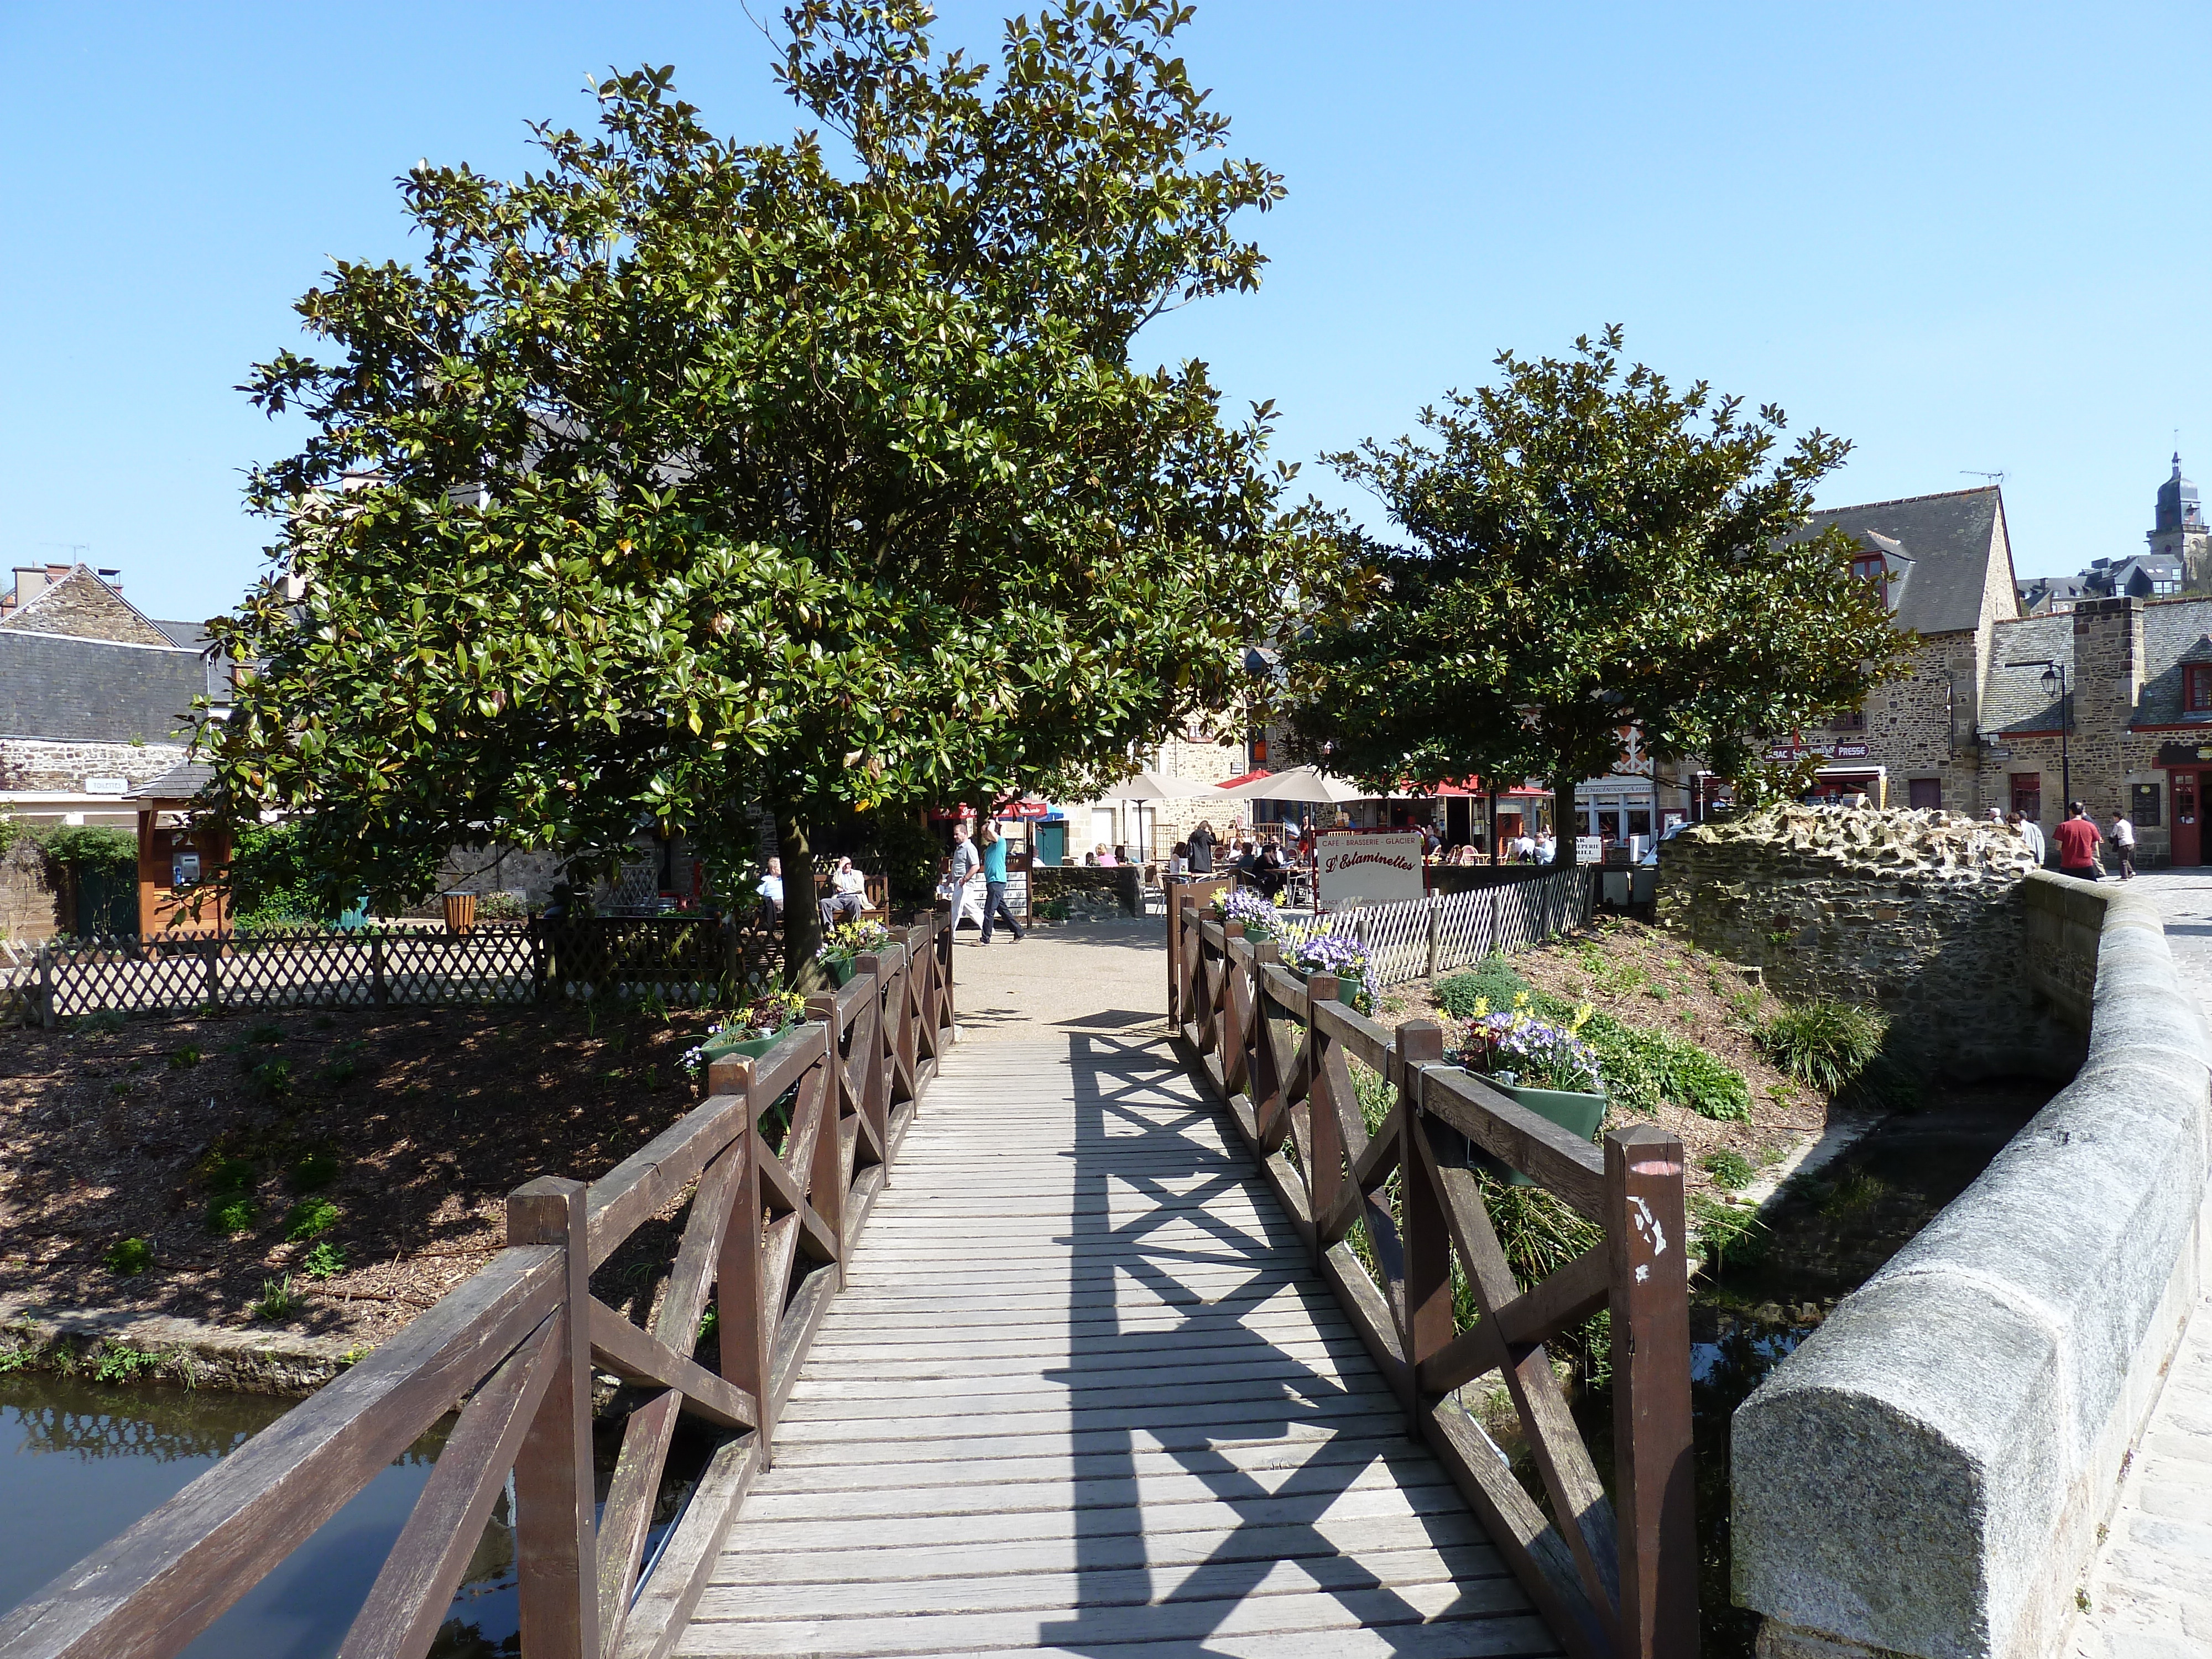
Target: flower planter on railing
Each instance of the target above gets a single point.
(1580, 1115)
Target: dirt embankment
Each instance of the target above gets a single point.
(392, 1139)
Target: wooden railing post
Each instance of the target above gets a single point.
(556, 1546)
(744, 1329)
(874, 1104)
(824, 1176)
(1436, 933)
(1325, 1181)
(47, 1016)
(1646, 1240)
(1426, 1320)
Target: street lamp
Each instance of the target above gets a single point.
(2054, 680)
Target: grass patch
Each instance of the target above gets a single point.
(1719, 1231)
(311, 1218)
(277, 1301)
(1730, 1170)
(127, 1256)
(1824, 1044)
(105, 1022)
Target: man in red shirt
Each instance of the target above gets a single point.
(2077, 840)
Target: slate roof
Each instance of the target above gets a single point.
(182, 782)
(1938, 548)
(192, 636)
(60, 687)
(2172, 630)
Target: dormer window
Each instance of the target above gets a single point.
(2196, 688)
(1867, 567)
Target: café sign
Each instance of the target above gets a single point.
(1827, 751)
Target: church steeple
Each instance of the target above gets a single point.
(2178, 506)
(2178, 531)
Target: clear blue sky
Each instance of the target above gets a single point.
(1970, 240)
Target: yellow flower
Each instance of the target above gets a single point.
(1582, 1018)
(1520, 999)
(1481, 1008)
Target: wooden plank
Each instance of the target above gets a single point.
(624, 1349)
(555, 1534)
(1564, 1163)
(665, 1603)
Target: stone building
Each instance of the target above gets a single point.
(2179, 531)
(95, 697)
(1974, 721)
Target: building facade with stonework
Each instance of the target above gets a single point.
(95, 697)
(1975, 720)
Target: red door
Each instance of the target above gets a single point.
(2188, 837)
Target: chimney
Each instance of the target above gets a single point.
(113, 577)
(31, 580)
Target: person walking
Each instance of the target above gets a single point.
(995, 882)
(2030, 832)
(967, 865)
(1200, 847)
(2124, 846)
(2078, 841)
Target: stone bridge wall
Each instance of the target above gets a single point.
(1918, 913)
(1927, 1475)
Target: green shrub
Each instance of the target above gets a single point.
(274, 882)
(267, 1032)
(1730, 1169)
(1695, 1079)
(231, 1213)
(338, 1073)
(501, 906)
(120, 1362)
(271, 1078)
(105, 1022)
(313, 1172)
(184, 1056)
(1492, 977)
(1824, 1044)
(325, 1261)
(127, 1256)
(1643, 1068)
(93, 846)
(310, 1219)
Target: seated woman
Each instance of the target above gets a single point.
(1104, 856)
(1271, 870)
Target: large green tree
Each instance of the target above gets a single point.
(1588, 551)
(686, 474)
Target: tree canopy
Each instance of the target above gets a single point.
(686, 473)
(1588, 552)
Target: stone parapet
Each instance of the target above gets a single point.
(1124, 881)
(1927, 1474)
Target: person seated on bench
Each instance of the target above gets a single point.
(848, 895)
(771, 893)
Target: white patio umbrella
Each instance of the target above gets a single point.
(1160, 786)
(1300, 783)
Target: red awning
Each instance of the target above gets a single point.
(1246, 777)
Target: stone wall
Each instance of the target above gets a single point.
(1917, 913)
(45, 765)
(84, 607)
(1927, 1475)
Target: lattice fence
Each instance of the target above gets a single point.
(1422, 937)
(691, 961)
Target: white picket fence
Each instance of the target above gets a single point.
(1418, 938)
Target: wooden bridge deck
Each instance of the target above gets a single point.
(1084, 1391)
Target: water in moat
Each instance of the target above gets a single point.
(81, 1461)
(1826, 1234)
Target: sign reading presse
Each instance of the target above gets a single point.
(1368, 870)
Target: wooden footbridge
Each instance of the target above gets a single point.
(1147, 1344)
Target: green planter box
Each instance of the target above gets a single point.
(1578, 1113)
(840, 968)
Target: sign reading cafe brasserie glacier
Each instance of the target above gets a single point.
(1368, 869)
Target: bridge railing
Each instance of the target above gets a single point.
(769, 1229)
(1613, 1577)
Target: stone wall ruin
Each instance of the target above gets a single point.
(1917, 913)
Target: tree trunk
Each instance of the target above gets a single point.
(1565, 823)
(802, 912)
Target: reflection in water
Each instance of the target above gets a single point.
(80, 1461)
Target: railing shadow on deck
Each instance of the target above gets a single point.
(1207, 1289)
(1616, 1580)
(768, 1231)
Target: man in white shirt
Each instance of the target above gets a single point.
(2123, 845)
(967, 878)
(771, 890)
(848, 895)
